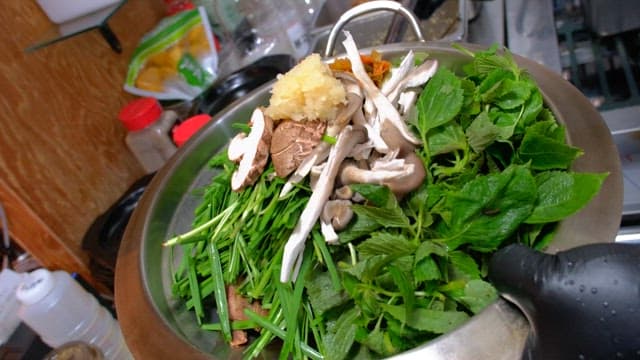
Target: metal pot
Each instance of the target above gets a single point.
(156, 326)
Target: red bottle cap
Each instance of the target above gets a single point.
(139, 113)
(182, 132)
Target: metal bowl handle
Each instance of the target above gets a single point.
(366, 8)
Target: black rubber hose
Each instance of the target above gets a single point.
(583, 303)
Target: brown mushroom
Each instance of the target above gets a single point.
(292, 142)
(401, 180)
(251, 151)
(394, 139)
(343, 193)
(338, 213)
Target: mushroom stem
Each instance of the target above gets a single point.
(403, 179)
(406, 65)
(417, 77)
(292, 259)
(383, 106)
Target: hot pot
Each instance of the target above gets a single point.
(156, 326)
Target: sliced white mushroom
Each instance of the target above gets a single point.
(406, 101)
(399, 73)
(328, 233)
(292, 259)
(251, 151)
(314, 175)
(383, 106)
(417, 77)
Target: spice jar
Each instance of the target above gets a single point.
(149, 132)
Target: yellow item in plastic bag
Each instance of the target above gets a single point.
(176, 61)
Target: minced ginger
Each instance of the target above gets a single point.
(307, 92)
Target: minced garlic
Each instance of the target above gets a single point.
(307, 92)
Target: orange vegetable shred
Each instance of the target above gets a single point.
(376, 68)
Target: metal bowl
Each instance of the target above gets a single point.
(156, 326)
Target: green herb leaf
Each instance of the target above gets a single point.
(378, 195)
(426, 269)
(405, 286)
(387, 217)
(380, 342)
(490, 87)
(463, 266)
(482, 132)
(546, 153)
(437, 322)
(561, 194)
(440, 101)
(340, 338)
(513, 94)
(321, 293)
(490, 208)
(385, 243)
(363, 225)
(477, 295)
(445, 139)
(532, 108)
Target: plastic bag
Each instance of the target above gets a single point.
(178, 60)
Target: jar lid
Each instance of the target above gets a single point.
(35, 286)
(139, 113)
(184, 131)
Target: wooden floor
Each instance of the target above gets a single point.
(62, 156)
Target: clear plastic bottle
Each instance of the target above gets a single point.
(60, 310)
(149, 127)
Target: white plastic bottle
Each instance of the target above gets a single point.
(59, 310)
(9, 320)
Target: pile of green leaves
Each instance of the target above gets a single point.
(409, 270)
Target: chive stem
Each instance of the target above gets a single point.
(184, 238)
(277, 331)
(220, 291)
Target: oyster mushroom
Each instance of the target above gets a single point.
(292, 259)
(251, 151)
(292, 142)
(401, 177)
(338, 213)
(384, 107)
(399, 73)
(343, 193)
(417, 77)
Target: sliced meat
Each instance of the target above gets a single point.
(292, 142)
